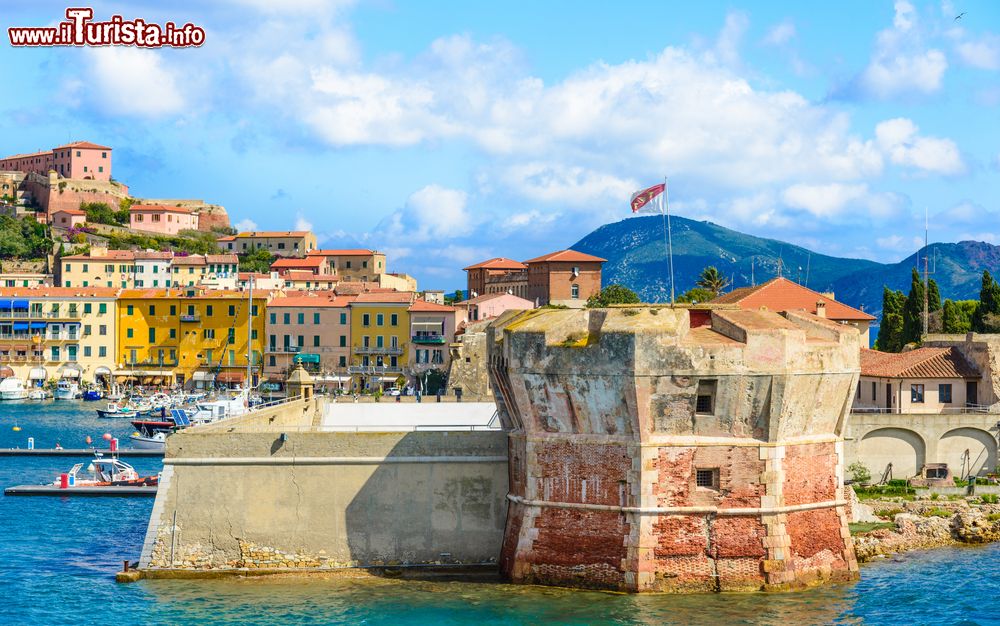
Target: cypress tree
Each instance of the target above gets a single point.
(913, 310)
(989, 303)
(933, 296)
(890, 331)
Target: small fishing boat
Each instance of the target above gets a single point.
(146, 440)
(93, 394)
(67, 390)
(39, 394)
(114, 410)
(12, 388)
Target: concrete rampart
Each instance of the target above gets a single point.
(967, 442)
(268, 492)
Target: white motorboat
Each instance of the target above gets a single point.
(117, 410)
(210, 411)
(39, 394)
(144, 441)
(67, 390)
(12, 388)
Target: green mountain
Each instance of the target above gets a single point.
(637, 258)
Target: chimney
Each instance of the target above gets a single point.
(820, 309)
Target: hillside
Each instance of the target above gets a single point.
(637, 258)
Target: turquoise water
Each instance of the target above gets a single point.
(58, 557)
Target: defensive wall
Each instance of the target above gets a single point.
(674, 449)
(275, 491)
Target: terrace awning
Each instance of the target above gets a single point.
(6, 372)
(102, 371)
(70, 372)
(203, 376)
(7, 305)
(38, 373)
(231, 377)
(428, 325)
(22, 325)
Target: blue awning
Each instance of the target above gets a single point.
(6, 305)
(38, 325)
(19, 304)
(20, 325)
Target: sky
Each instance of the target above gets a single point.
(445, 133)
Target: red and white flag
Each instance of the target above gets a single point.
(641, 199)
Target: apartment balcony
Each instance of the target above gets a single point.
(389, 350)
(374, 370)
(151, 363)
(74, 337)
(284, 349)
(190, 318)
(40, 315)
(428, 339)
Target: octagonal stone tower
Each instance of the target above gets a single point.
(675, 449)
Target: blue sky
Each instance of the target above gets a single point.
(448, 132)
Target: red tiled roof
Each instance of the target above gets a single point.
(152, 255)
(498, 263)
(157, 208)
(489, 296)
(272, 233)
(222, 258)
(58, 292)
(70, 212)
(919, 363)
(781, 294)
(387, 297)
(290, 263)
(86, 145)
(568, 256)
(422, 306)
(306, 275)
(352, 252)
(323, 300)
(193, 259)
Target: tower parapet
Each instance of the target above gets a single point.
(675, 449)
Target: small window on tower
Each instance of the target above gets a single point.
(706, 397)
(707, 478)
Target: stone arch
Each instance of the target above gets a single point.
(981, 445)
(904, 448)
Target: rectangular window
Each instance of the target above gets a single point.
(232, 310)
(343, 318)
(129, 333)
(152, 335)
(343, 341)
(944, 393)
(301, 317)
(232, 357)
(152, 309)
(302, 341)
(208, 356)
(315, 341)
(575, 292)
(86, 330)
(707, 478)
(102, 330)
(208, 310)
(394, 320)
(342, 362)
(173, 309)
(129, 309)
(55, 353)
(706, 397)
(366, 320)
(379, 319)
(274, 318)
(917, 394)
(173, 333)
(86, 308)
(232, 335)
(86, 351)
(209, 333)
(315, 318)
(288, 318)
(102, 351)
(874, 392)
(271, 361)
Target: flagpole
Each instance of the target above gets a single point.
(668, 241)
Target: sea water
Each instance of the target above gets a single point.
(58, 557)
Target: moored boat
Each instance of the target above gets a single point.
(66, 390)
(105, 472)
(149, 441)
(91, 395)
(39, 394)
(12, 388)
(114, 410)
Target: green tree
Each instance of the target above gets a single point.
(989, 305)
(102, 213)
(696, 294)
(957, 316)
(612, 294)
(258, 260)
(712, 280)
(913, 310)
(933, 296)
(890, 331)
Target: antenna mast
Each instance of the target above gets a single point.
(926, 273)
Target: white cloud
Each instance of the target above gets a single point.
(899, 243)
(133, 81)
(983, 54)
(900, 65)
(245, 225)
(823, 200)
(898, 138)
(727, 46)
(301, 223)
(433, 213)
(780, 34)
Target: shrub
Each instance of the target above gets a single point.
(888, 513)
(989, 498)
(939, 512)
(993, 517)
(859, 472)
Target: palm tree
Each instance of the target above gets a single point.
(712, 280)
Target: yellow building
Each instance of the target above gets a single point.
(100, 268)
(189, 336)
(281, 243)
(354, 265)
(49, 333)
(380, 335)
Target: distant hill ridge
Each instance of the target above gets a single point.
(636, 258)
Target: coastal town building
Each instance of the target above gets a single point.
(265, 282)
(432, 330)
(152, 268)
(396, 282)
(79, 160)
(923, 380)
(306, 280)
(50, 333)
(68, 218)
(314, 265)
(189, 336)
(782, 294)
(13, 278)
(354, 264)
(565, 278)
(313, 329)
(161, 219)
(129, 269)
(100, 267)
(380, 338)
(196, 269)
(278, 243)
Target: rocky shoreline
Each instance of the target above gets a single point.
(888, 526)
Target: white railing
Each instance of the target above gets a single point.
(918, 410)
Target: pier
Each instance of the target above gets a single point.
(102, 491)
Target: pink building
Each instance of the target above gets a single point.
(80, 159)
(68, 218)
(490, 305)
(162, 219)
